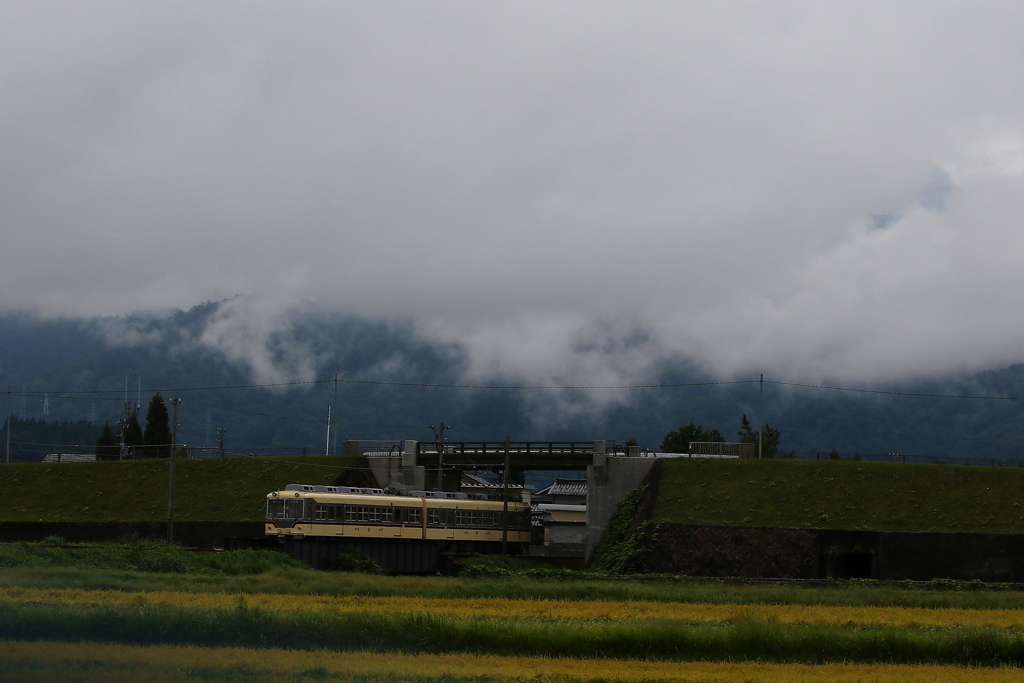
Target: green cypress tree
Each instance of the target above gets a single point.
(106, 445)
(752, 436)
(157, 436)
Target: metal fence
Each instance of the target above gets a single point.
(373, 448)
(733, 449)
(910, 459)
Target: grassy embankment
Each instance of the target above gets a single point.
(212, 489)
(842, 495)
(780, 493)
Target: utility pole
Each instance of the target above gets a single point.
(9, 424)
(170, 488)
(504, 502)
(760, 417)
(327, 447)
(122, 453)
(439, 444)
(334, 444)
(221, 431)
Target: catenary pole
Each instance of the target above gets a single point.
(504, 502)
(170, 485)
(8, 430)
(760, 417)
(334, 441)
(327, 446)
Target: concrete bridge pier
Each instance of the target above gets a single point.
(609, 480)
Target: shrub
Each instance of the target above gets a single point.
(353, 560)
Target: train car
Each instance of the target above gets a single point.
(413, 533)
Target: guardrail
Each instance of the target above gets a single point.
(514, 447)
(910, 459)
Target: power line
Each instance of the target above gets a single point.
(915, 394)
(249, 412)
(505, 387)
(97, 394)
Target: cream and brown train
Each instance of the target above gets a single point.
(416, 532)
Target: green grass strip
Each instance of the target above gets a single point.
(745, 641)
(300, 581)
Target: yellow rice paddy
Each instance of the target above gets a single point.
(535, 609)
(89, 662)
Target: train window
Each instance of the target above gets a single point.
(516, 520)
(292, 509)
(320, 512)
(468, 518)
(433, 517)
(275, 508)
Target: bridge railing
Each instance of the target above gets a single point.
(514, 447)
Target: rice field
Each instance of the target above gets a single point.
(503, 608)
(105, 663)
(295, 581)
(62, 624)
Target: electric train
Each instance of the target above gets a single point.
(403, 532)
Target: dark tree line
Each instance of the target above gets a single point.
(32, 438)
(152, 442)
(679, 440)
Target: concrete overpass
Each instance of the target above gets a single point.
(410, 465)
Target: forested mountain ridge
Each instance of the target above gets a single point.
(78, 369)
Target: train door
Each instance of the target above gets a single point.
(449, 522)
(396, 520)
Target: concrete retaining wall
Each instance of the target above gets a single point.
(766, 552)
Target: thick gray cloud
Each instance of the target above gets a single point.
(575, 190)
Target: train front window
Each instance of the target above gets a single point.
(284, 509)
(293, 509)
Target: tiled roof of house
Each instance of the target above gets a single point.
(568, 487)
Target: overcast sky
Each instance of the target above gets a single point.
(574, 190)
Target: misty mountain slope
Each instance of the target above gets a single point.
(208, 346)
